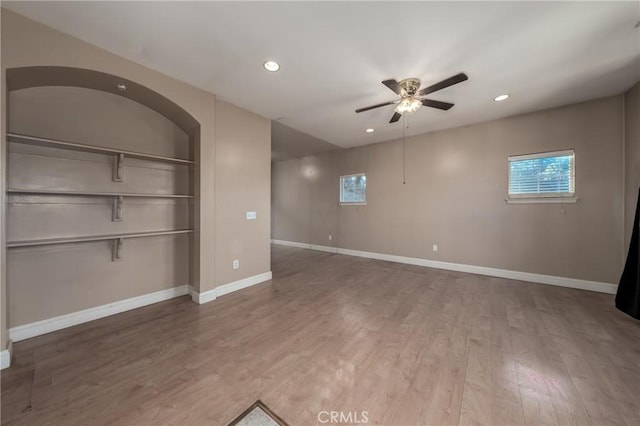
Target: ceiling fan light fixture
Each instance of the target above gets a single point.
(271, 66)
(408, 104)
(501, 98)
(411, 98)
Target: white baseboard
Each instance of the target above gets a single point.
(306, 246)
(243, 283)
(472, 269)
(292, 244)
(204, 297)
(5, 359)
(324, 248)
(38, 328)
(208, 296)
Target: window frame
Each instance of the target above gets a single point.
(351, 203)
(544, 197)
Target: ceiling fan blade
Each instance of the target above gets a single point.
(393, 85)
(396, 116)
(458, 78)
(375, 106)
(437, 104)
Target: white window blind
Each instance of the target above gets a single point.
(548, 174)
(353, 189)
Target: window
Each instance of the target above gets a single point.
(353, 189)
(545, 175)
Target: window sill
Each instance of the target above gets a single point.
(542, 200)
(354, 204)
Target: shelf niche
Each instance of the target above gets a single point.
(75, 124)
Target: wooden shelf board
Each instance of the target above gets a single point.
(49, 241)
(93, 194)
(53, 143)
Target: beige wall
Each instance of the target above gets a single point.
(94, 117)
(243, 142)
(455, 192)
(4, 317)
(27, 43)
(631, 158)
(81, 276)
(305, 199)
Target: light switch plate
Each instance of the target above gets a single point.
(251, 215)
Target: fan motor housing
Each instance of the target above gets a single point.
(409, 86)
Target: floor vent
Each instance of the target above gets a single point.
(258, 415)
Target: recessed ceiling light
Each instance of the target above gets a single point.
(370, 130)
(121, 87)
(272, 66)
(501, 98)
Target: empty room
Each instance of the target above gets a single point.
(320, 213)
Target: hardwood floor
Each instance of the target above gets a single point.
(408, 345)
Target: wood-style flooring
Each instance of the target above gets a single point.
(408, 345)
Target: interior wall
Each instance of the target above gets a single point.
(94, 117)
(81, 276)
(631, 158)
(454, 196)
(243, 184)
(305, 200)
(27, 43)
(4, 317)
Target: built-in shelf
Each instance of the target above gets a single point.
(48, 241)
(93, 194)
(53, 143)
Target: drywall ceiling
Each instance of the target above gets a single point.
(335, 54)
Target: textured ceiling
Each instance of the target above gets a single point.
(334, 55)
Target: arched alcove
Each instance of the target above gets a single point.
(92, 222)
(37, 76)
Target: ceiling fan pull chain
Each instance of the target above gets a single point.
(404, 158)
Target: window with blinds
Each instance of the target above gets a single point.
(353, 189)
(548, 174)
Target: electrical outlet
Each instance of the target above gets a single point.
(330, 237)
(236, 264)
(251, 215)
(435, 247)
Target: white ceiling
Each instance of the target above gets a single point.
(333, 55)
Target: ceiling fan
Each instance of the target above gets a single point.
(410, 98)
